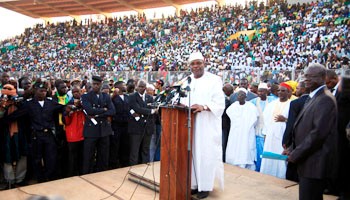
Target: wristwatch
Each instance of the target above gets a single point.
(205, 107)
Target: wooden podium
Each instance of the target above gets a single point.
(174, 154)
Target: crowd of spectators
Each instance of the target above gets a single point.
(286, 37)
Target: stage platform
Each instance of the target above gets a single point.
(121, 184)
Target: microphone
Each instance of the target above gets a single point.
(189, 79)
(182, 81)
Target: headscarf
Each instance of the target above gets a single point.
(286, 86)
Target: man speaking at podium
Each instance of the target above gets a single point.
(207, 101)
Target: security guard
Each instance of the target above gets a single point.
(98, 109)
(41, 110)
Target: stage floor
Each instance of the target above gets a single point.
(115, 184)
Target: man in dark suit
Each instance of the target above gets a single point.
(119, 144)
(342, 95)
(226, 122)
(41, 111)
(141, 125)
(99, 109)
(315, 136)
(295, 107)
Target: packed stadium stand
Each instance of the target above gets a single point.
(232, 37)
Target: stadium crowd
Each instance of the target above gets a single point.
(87, 125)
(83, 126)
(286, 37)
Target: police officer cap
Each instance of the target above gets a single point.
(40, 83)
(97, 78)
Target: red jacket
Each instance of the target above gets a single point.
(74, 126)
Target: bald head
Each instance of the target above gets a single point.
(141, 86)
(228, 89)
(315, 76)
(331, 79)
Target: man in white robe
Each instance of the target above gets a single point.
(241, 148)
(208, 102)
(261, 103)
(275, 118)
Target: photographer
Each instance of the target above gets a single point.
(14, 143)
(74, 118)
(41, 111)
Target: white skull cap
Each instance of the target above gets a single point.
(195, 56)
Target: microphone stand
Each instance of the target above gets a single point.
(189, 126)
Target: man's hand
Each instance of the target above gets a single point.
(280, 118)
(68, 108)
(155, 111)
(135, 115)
(285, 150)
(115, 92)
(3, 103)
(197, 108)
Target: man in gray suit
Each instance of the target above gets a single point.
(315, 136)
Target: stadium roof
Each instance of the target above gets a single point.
(58, 8)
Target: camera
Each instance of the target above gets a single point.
(76, 104)
(15, 99)
(7, 101)
(4, 98)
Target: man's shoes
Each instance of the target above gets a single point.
(6, 186)
(3, 186)
(202, 194)
(21, 184)
(195, 191)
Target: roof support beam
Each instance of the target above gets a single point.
(54, 8)
(14, 8)
(171, 3)
(92, 8)
(126, 4)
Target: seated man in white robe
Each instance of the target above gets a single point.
(275, 118)
(241, 148)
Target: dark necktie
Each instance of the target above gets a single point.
(307, 100)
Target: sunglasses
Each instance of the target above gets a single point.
(6, 88)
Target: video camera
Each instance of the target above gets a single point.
(76, 106)
(15, 99)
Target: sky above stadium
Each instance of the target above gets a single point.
(13, 23)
